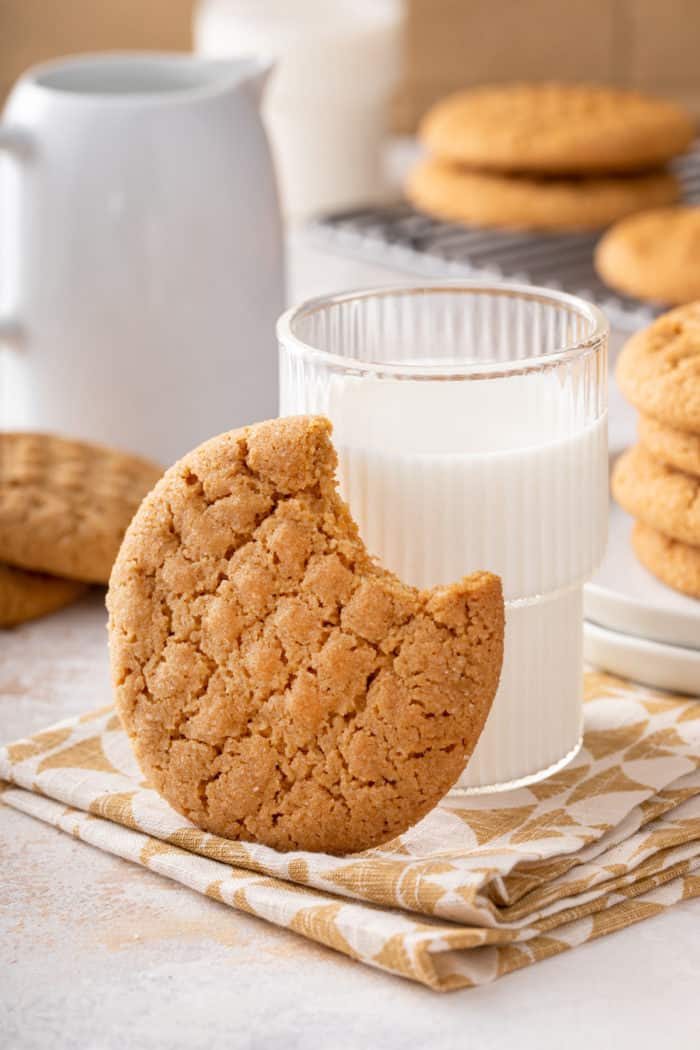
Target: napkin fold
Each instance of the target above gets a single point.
(482, 886)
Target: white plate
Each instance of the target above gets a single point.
(652, 663)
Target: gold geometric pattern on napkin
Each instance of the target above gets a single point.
(484, 885)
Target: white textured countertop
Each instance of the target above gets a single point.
(99, 954)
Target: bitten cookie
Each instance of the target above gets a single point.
(675, 564)
(521, 202)
(64, 505)
(277, 685)
(28, 595)
(654, 255)
(658, 370)
(665, 499)
(556, 129)
(677, 448)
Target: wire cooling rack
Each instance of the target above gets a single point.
(398, 236)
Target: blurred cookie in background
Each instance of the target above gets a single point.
(65, 504)
(654, 255)
(526, 202)
(29, 595)
(556, 129)
(548, 157)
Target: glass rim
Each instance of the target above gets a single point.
(473, 369)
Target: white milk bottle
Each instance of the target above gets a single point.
(337, 63)
(471, 429)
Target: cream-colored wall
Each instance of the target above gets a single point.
(649, 44)
(35, 30)
(652, 45)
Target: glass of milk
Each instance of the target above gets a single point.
(471, 427)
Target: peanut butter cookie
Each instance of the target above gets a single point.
(520, 202)
(28, 595)
(277, 685)
(675, 564)
(654, 255)
(64, 505)
(677, 448)
(665, 499)
(556, 129)
(658, 369)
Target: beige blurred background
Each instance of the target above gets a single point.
(648, 44)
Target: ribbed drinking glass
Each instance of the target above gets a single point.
(471, 428)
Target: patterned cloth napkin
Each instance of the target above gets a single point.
(482, 886)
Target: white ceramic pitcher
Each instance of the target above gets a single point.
(141, 252)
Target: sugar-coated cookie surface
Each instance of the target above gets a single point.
(521, 202)
(677, 448)
(28, 595)
(64, 504)
(654, 255)
(556, 129)
(666, 499)
(277, 685)
(658, 369)
(675, 564)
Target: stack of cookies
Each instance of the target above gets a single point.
(658, 480)
(64, 507)
(548, 156)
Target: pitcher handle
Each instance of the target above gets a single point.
(15, 143)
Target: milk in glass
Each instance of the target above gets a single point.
(446, 475)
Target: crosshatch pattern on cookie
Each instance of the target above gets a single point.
(556, 129)
(64, 504)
